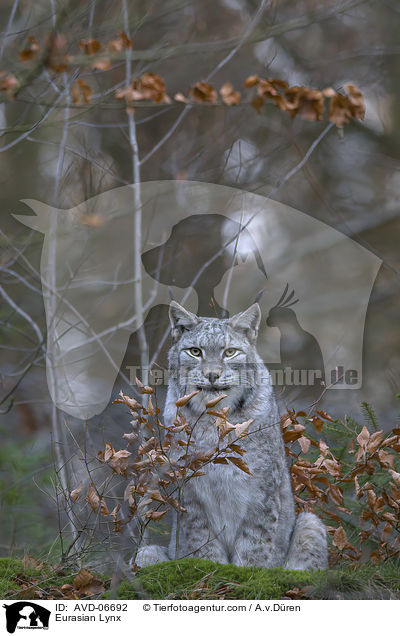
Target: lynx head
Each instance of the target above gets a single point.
(214, 355)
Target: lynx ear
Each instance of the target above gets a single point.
(248, 321)
(181, 319)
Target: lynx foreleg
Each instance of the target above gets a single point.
(196, 538)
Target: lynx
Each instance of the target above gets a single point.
(233, 517)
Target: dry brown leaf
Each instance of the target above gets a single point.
(115, 512)
(211, 403)
(130, 402)
(305, 102)
(386, 459)
(123, 42)
(186, 398)
(179, 97)
(240, 464)
(267, 90)
(318, 423)
(108, 452)
(340, 540)
(103, 64)
(152, 87)
(250, 81)
(304, 444)
(147, 445)
(390, 518)
(222, 413)
(375, 441)
(396, 476)
(357, 101)
(30, 51)
(85, 90)
(129, 94)
(85, 584)
(387, 530)
(8, 83)
(359, 492)
(156, 496)
(144, 390)
(155, 515)
(241, 429)
(371, 499)
(82, 579)
(257, 102)
(130, 437)
(150, 409)
(129, 493)
(229, 96)
(103, 507)
(57, 59)
(333, 467)
(291, 435)
(30, 563)
(340, 110)
(119, 461)
(325, 415)
(237, 449)
(336, 494)
(203, 92)
(224, 427)
(90, 46)
(74, 494)
(92, 497)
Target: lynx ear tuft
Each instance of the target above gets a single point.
(248, 321)
(181, 319)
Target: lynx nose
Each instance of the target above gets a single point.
(212, 376)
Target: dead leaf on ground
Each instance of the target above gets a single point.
(85, 584)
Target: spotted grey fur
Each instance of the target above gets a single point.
(233, 517)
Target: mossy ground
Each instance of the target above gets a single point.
(17, 580)
(199, 579)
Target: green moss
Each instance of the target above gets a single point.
(199, 579)
(12, 572)
(196, 578)
(9, 569)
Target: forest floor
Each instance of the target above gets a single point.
(196, 579)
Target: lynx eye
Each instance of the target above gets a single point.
(231, 352)
(195, 352)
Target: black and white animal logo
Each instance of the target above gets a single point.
(26, 615)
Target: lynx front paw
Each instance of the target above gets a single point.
(150, 554)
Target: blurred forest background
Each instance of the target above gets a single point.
(69, 130)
